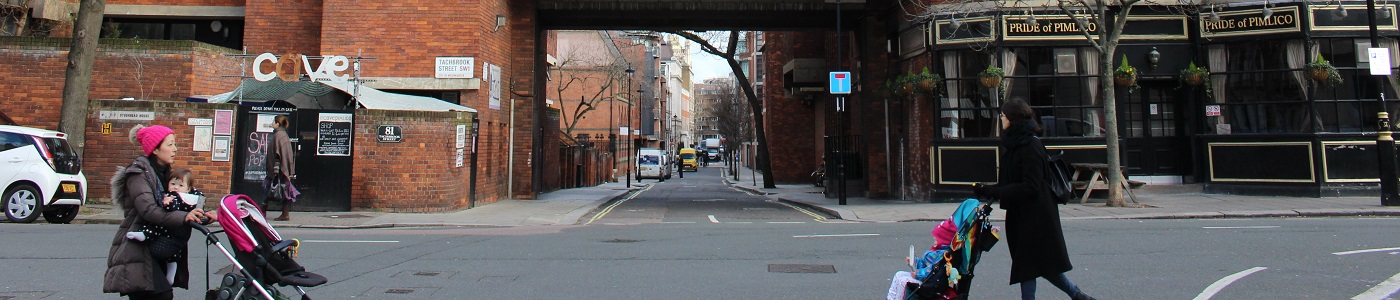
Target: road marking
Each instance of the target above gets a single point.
(331, 241)
(815, 216)
(1223, 282)
(1239, 227)
(707, 200)
(835, 235)
(1365, 251)
(610, 207)
(677, 222)
(1381, 291)
(712, 219)
(787, 222)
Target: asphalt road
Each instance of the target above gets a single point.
(666, 247)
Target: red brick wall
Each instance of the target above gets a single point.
(283, 27)
(423, 176)
(523, 47)
(145, 69)
(794, 134)
(107, 151)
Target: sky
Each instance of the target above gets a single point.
(705, 65)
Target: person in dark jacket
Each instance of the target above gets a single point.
(1033, 233)
(131, 269)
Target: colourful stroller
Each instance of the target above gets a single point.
(947, 272)
(261, 258)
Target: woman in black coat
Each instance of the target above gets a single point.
(1032, 219)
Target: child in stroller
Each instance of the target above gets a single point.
(945, 271)
(261, 257)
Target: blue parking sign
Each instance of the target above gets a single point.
(840, 83)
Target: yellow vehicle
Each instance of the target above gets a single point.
(689, 160)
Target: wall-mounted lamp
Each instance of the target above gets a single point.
(1214, 14)
(1154, 57)
(1268, 9)
(954, 23)
(1341, 12)
(500, 22)
(1030, 19)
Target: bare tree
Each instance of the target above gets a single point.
(592, 70)
(728, 53)
(137, 63)
(1100, 22)
(78, 77)
(734, 120)
(14, 17)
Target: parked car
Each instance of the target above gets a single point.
(42, 175)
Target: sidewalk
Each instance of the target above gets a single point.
(568, 206)
(562, 207)
(1169, 202)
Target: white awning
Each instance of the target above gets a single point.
(376, 99)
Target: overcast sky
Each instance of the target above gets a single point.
(705, 65)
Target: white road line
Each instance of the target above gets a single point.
(835, 235)
(1223, 282)
(713, 220)
(330, 241)
(1381, 291)
(1365, 251)
(1238, 227)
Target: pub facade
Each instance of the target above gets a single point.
(1258, 123)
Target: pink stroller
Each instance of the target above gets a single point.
(256, 245)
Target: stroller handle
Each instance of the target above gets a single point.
(199, 227)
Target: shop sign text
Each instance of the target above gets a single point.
(291, 66)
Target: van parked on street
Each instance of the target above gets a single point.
(653, 163)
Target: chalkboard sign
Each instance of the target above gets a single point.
(334, 133)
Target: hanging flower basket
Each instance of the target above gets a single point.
(1194, 79)
(1125, 75)
(991, 77)
(927, 85)
(1323, 72)
(1318, 73)
(1193, 75)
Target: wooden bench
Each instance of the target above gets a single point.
(1098, 180)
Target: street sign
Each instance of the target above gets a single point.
(1380, 61)
(390, 134)
(840, 83)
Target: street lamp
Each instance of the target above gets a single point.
(1385, 144)
(632, 145)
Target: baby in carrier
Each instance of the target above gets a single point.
(165, 244)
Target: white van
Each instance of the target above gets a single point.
(653, 163)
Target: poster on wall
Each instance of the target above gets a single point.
(221, 148)
(333, 134)
(223, 122)
(203, 138)
(461, 143)
(266, 122)
(495, 102)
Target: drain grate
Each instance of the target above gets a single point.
(398, 291)
(621, 241)
(427, 273)
(800, 268)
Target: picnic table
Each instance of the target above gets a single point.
(1098, 180)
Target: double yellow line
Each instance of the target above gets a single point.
(615, 204)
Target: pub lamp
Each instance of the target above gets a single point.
(1341, 12)
(1154, 57)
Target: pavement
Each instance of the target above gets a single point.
(573, 206)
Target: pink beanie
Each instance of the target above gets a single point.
(943, 234)
(150, 136)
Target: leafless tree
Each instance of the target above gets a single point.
(591, 69)
(730, 42)
(734, 120)
(136, 70)
(78, 77)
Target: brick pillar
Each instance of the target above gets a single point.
(527, 58)
(794, 137)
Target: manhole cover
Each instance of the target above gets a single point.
(621, 241)
(345, 216)
(800, 268)
(398, 291)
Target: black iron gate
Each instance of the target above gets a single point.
(324, 158)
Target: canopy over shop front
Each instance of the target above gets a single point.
(309, 94)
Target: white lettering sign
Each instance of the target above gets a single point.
(455, 67)
(126, 115)
(327, 70)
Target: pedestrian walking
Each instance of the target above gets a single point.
(281, 166)
(132, 270)
(1033, 232)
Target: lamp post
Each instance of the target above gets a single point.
(629, 71)
(1385, 144)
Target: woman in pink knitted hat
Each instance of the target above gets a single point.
(131, 269)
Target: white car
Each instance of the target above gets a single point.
(41, 175)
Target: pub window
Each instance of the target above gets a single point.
(1260, 89)
(224, 33)
(966, 109)
(1352, 105)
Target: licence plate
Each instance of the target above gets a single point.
(69, 188)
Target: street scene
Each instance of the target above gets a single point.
(732, 149)
(699, 238)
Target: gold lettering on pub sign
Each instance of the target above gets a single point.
(1053, 27)
(1251, 23)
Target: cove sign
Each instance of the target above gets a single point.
(296, 64)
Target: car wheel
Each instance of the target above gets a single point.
(22, 204)
(62, 214)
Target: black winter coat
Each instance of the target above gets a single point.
(1033, 232)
